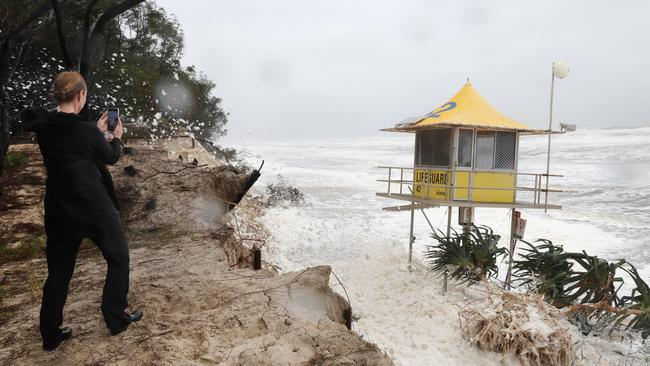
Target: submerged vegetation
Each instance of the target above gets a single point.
(468, 257)
(587, 288)
(282, 191)
(550, 271)
(638, 304)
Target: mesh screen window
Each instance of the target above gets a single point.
(495, 150)
(504, 156)
(465, 141)
(484, 149)
(433, 147)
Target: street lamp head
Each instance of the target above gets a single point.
(560, 69)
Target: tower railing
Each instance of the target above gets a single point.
(529, 190)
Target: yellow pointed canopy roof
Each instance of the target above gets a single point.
(465, 108)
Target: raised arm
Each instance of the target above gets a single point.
(107, 152)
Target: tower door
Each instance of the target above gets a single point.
(464, 163)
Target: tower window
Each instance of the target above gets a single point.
(465, 142)
(495, 150)
(433, 147)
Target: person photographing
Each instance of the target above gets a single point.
(80, 203)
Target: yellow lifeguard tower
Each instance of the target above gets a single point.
(466, 156)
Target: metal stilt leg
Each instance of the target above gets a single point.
(411, 238)
(446, 274)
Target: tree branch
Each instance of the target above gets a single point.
(32, 17)
(6, 46)
(92, 30)
(112, 12)
(6, 15)
(85, 47)
(8, 41)
(62, 41)
(10, 71)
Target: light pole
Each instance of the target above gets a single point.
(560, 70)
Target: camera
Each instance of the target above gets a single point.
(113, 118)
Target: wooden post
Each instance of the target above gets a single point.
(467, 225)
(411, 237)
(257, 259)
(449, 221)
(513, 243)
(347, 316)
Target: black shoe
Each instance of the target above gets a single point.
(136, 316)
(133, 317)
(66, 333)
(117, 331)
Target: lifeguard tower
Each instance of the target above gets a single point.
(466, 156)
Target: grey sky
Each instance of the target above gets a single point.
(308, 69)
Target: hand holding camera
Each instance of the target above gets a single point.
(119, 129)
(110, 124)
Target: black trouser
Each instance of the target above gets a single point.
(62, 251)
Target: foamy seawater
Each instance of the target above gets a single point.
(605, 211)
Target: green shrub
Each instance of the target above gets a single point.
(470, 257)
(546, 267)
(638, 302)
(596, 282)
(589, 285)
(551, 271)
(25, 249)
(15, 160)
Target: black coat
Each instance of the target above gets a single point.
(79, 196)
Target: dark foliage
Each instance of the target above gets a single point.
(134, 65)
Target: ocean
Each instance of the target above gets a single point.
(605, 211)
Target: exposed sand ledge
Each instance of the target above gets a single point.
(200, 307)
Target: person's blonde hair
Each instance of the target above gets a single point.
(67, 85)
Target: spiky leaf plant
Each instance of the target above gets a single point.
(546, 267)
(553, 273)
(637, 304)
(596, 282)
(467, 257)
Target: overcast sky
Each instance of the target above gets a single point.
(308, 69)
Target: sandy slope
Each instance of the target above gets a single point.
(200, 308)
(197, 310)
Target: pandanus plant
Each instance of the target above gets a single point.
(468, 257)
(546, 268)
(636, 306)
(596, 282)
(550, 270)
(587, 286)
